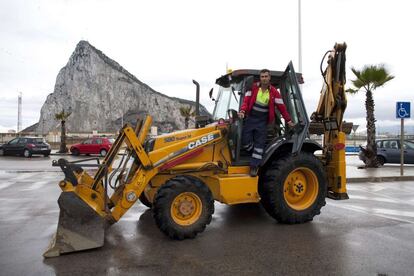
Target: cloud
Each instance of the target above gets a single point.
(168, 47)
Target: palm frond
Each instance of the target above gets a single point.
(62, 116)
(352, 91)
(371, 77)
(358, 83)
(356, 72)
(187, 111)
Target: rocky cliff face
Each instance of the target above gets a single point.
(98, 92)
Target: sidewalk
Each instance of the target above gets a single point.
(388, 172)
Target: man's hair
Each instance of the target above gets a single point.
(264, 71)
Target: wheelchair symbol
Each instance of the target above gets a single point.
(402, 113)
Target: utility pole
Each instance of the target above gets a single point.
(19, 112)
(300, 34)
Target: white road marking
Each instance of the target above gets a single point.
(376, 212)
(5, 185)
(397, 200)
(35, 186)
(380, 199)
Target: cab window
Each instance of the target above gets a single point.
(227, 98)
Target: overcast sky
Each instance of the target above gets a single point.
(166, 44)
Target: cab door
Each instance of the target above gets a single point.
(292, 97)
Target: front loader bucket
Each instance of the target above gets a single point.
(79, 227)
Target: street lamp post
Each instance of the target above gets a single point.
(300, 34)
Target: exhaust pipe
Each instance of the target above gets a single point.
(197, 111)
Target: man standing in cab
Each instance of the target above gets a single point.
(259, 109)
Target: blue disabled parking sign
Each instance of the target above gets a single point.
(403, 110)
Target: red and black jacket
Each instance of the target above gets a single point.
(274, 99)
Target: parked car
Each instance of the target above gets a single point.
(26, 146)
(388, 151)
(95, 145)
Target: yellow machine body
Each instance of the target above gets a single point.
(181, 174)
(201, 153)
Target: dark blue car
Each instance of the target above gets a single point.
(389, 151)
(26, 146)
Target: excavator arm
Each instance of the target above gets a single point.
(330, 113)
(87, 209)
(332, 102)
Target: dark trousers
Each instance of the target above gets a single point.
(254, 137)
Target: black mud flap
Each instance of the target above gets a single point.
(79, 227)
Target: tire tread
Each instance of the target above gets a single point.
(271, 188)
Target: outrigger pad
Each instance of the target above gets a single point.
(79, 227)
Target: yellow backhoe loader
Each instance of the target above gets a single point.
(180, 175)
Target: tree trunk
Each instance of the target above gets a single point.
(371, 153)
(186, 120)
(63, 148)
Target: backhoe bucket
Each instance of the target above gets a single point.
(79, 227)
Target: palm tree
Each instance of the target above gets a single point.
(187, 114)
(369, 79)
(62, 116)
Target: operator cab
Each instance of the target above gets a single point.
(232, 88)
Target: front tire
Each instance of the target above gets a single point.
(183, 207)
(293, 189)
(75, 152)
(2, 152)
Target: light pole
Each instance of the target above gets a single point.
(300, 34)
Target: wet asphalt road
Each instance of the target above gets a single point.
(370, 234)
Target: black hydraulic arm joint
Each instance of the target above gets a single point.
(68, 170)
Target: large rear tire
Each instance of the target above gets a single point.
(183, 207)
(293, 189)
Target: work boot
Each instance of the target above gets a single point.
(253, 171)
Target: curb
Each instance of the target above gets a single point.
(380, 179)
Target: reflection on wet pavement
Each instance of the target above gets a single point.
(369, 234)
